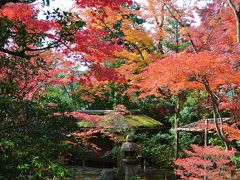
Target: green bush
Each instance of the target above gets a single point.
(156, 148)
(31, 140)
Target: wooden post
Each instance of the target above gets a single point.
(176, 143)
(205, 131)
(205, 139)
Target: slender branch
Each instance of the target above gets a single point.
(237, 16)
(233, 7)
(65, 88)
(135, 46)
(209, 35)
(174, 17)
(183, 25)
(192, 44)
(15, 53)
(138, 49)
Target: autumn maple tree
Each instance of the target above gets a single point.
(211, 162)
(129, 50)
(208, 65)
(37, 52)
(140, 45)
(44, 42)
(34, 54)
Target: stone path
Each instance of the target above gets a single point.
(88, 173)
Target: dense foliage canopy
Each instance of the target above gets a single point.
(152, 56)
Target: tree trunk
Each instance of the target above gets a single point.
(179, 105)
(216, 115)
(160, 47)
(176, 124)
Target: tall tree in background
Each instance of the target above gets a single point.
(206, 67)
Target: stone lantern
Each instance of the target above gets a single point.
(129, 157)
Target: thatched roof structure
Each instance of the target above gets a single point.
(109, 119)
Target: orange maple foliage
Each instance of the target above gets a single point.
(210, 64)
(187, 71)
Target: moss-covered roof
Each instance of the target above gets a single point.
(123, 122)
(142, 121)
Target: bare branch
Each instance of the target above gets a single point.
(233, 7)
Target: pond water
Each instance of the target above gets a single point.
(85, 173)
(88, 173)
(154, 175)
